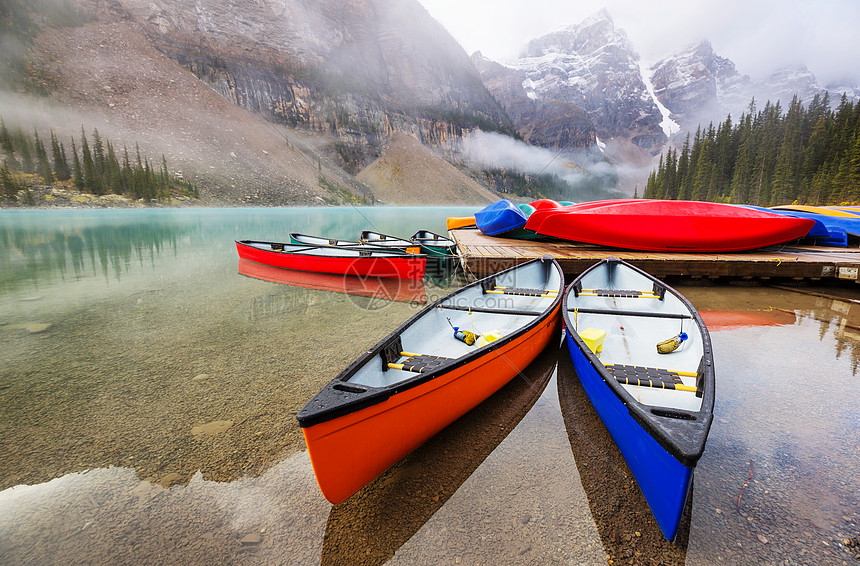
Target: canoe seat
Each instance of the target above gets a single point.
(649, 377)
(419, 363)
(497, 290)
(633, 294)
(658, 291)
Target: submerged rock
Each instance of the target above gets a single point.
(37, 327)
(215, 427)
(170, 479)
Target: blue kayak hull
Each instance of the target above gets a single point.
(665, 482)
(500, 217)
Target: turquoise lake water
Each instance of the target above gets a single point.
(149, 383)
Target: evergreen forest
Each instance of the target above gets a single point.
(805, 155)
(91, 165)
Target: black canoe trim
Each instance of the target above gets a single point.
(330, 241)
(393, 252)
(432, 239)
(632, 313)
(492, 311)
(682, 433)
(332, 401)
(364, 238)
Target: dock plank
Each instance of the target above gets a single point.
(483, 255)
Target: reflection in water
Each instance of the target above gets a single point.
(629, 533)
(109, 516)
(113, 373)
(378, 288)
(36, 250)
(125, 331)
(732, 319)
(47, 246)
(841, 320)
(371, 525)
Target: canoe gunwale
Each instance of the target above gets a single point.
(388, 252)
(682, 433)
(370, 395)
(433, 239)
(394, 241)
(298, 238)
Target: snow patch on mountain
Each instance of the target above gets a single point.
(669, 126)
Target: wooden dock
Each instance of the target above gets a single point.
(483, 255)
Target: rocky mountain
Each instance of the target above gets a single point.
(592, 66)
(265, 102)
(698, 86)
(545, 122)
(358, 70)
(594, 73)
(293, 101)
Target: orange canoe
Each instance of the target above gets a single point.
(455, 222)
(422, 377)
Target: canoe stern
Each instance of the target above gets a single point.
(349, 451)
(664, 481)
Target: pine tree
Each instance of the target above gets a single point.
(113, 173)
(704, 168)
(22, 146)
(10, 189)
(741, 183)
(61, 164)
(127, 176)
(92, 182)
(98, 154)
(164, 181)
(43, 166)
(687, 183)
(853, 177)
(7, 147)
(77, 170)
(683, 165)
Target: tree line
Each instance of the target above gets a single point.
(809, 155)
(92, 165)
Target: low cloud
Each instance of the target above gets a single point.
(585, 172)
(490, 150)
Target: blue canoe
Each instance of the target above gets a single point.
(827, 230)
(658, 407)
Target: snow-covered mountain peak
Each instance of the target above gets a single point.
(594, 34)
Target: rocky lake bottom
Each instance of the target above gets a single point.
(148, 392)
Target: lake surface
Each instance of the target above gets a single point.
(149, 383)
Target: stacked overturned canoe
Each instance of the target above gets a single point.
(668, 225)
(644, 357)
(426, 374)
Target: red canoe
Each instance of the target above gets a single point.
(335, 259)
(669, 225)
(422, 377)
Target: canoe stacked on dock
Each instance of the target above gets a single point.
(429, 372)
(644, 224)
(669, 225)
(644, 357)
